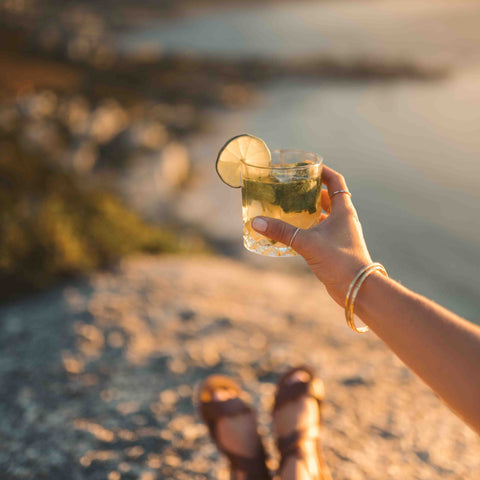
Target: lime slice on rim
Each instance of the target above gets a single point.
(245, 148)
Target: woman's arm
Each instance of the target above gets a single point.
(442, 348)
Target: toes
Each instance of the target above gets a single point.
(222, 395)
(299, 376)
(217, 383)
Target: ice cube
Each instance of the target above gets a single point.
(255, 208)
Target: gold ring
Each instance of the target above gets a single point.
(293, 236)
(340, 191)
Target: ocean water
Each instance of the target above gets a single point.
(429, 30)
(410, 150)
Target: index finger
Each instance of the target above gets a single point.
(335, 182)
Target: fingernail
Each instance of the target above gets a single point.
(259, 224)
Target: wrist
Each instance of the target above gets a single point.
(371, 284)
(348, 276)
(353, 290)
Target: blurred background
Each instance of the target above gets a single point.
(112, 113)
(109, 107)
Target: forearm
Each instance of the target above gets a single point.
(442, 348)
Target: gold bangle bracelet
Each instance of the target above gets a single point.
(353, 292)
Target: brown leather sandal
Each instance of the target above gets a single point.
(291, 445)
(212, 410)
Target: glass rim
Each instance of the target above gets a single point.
(318, 158)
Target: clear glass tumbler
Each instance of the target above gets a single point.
(288, 189)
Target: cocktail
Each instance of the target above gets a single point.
(283, 184)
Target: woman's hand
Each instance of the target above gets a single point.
(334, 249)
(436, 344)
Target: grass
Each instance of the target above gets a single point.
(53, 227)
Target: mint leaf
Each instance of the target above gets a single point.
(295, 196)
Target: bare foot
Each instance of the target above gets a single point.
(235, 433)
(301, 414)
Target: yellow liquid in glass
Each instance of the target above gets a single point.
(295, 200)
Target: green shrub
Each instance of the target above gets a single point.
(53, 226)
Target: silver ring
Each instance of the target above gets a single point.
(340, 191)
(293, 236)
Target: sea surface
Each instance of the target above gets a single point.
(410, 150)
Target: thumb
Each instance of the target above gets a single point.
(277, 230)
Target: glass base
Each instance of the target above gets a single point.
(265, 247)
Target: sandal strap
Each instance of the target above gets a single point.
(255, 468)
(211, 412)
(291, 442)
(214, 410)
(291, 445)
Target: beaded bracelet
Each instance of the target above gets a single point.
(353, 292)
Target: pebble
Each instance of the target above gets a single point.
(177, 366)
(140, 421)
(168, 397)
(135, 452)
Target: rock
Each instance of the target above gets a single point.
(139, 418)
(355, 380)
(106, 121)
(174, 167)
